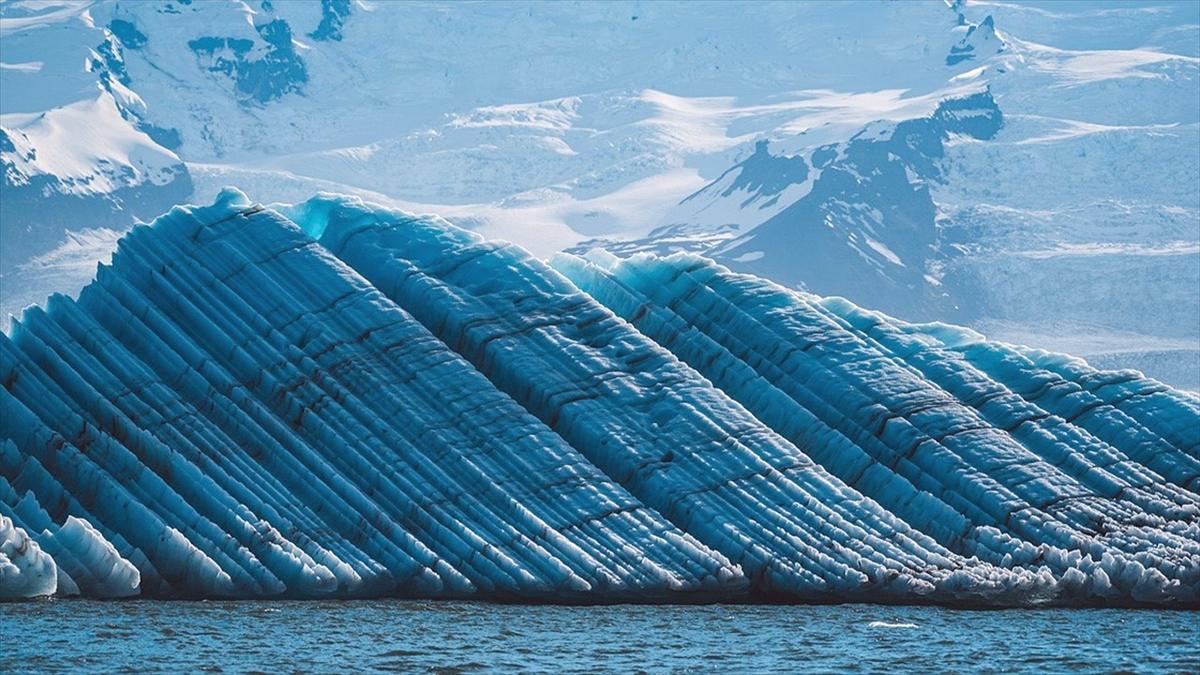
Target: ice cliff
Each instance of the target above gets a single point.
(337, 399)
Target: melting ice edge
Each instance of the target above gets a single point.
(334, 399)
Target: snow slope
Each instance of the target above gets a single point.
(1074, 223)
(654, 127)
(75, 151)
(473, 112)
(335, 398)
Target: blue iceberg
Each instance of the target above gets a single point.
(335, 399)
(1016, 458)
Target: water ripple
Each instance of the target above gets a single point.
(460, 637)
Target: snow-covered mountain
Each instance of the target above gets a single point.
(1062, 211)
(1027, 168)
(866, 227)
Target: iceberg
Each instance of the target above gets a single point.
(335, 399)
(1012, 456)
(241, 415)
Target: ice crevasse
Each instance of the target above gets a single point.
(334, 399)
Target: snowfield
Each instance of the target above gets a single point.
(517, 121)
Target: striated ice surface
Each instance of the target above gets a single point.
(1016, 457)
(334, 399)
(240, 414)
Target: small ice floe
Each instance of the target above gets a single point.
(889, 624)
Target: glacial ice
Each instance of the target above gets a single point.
(334, 399)
(25, 570)
(1014, 457)
(240, 414)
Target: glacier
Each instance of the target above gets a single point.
(338, 399)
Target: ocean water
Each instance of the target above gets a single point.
(454, 637)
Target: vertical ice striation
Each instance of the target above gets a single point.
(1016, 457)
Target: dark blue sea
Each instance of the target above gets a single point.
(461, 637)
